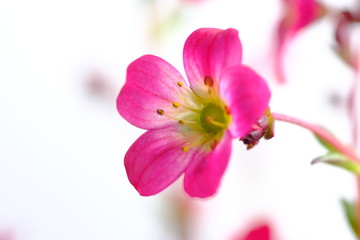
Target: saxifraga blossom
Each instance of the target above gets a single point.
(190, 124)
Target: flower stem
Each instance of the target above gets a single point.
(320, 132)
(354, 103)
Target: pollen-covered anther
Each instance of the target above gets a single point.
(213, 144)
(180, 84)
(181, 122)
(160, 112)
(227, 110)
(175, 104)
(184, 149)
(208, 81)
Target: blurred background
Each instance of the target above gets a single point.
(62, 141)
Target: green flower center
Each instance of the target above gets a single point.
(213, 118)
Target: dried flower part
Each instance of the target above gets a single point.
(263, 128)
(343, 47)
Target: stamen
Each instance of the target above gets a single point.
(210, 120)
(211, 91)
(227, 110)
(189, 91)
(160, 112)
(184, 149)
(214, 144)
(169, 116)
(208, 81)
(176, 105)
(193, 109)
(200, 141)
(188, 123)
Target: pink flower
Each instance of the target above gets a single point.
(190, 126)
(193, 1)
(297, 15)
(259, 232)
(6, 235)
(343, 33)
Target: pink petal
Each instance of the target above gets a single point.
(204, 173)
(298, 14)
(247, 96)
(207, 53)
(156, 159)
(282, 40)
(151, 84)
(308, 11)
(261, 232)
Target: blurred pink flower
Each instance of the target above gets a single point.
(297, 15)
(193, 1)
(259, 232)
(190, 126)
(6, 235)
(343, 32)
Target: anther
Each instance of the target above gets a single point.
(160, 112)
(175, 104)
(214, 144)
(184, 149)
(181, 122)
(227, 110)
(208, 81)
(180, 84)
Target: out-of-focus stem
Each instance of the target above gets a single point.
(354, 105)
(354, 111)
(320, 132)
(357, 206)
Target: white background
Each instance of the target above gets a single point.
(62, 146)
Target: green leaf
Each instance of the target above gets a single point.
(325, 143)
(350, 214)
(339, 160)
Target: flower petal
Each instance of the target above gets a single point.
(307, 11)
(281, 45)
(246, 95)
(207, 53)
(156, 159)
(298, 14)
(151, 84)
(262, 232)
(204, 173)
